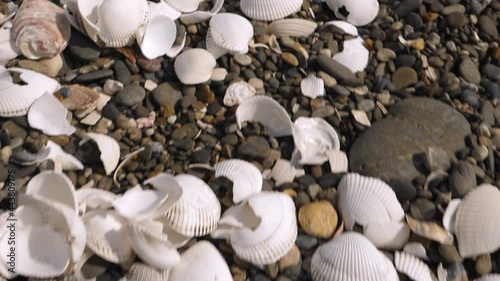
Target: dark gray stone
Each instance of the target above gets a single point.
(423, 209)
(255, 147)
(491, 72)
(487, 111)
(201, 156)
(122, 73)
(335, 69)
(131, 95)
(405, 191)
(110, 111)
(407, 6)
(82, 48)
(469, 71)
(167, 93)
(488, 26)
(462, 179)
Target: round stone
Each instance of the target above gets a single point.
(131, 95)
(403, 77)
(292, 258)
(469, 71)
(385, 55)
(290, 59)
(242, 59)
(462, 179)
(318, 219)
(167, 93)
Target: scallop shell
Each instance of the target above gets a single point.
(268, 112)
(231, 32)
(53, 186)
(268, 10)
(94, 198)
(312, 87)
(185, 6)
(416, 249)
(430, 230)
(194, 66)
(354, 56)
(162, 8)
(246, 178)
(477, 222)
(414, 268)
(199, 16)
(66, 161)
(391, 236)
(48, 115)
(40, 29)
(449, 215)
(344, 26)
(175, 238)
(10, 14)
(137, 204)
(283, 172)
(351, 257)
(142, 272)
(157, 36)
(489, 277)
(237, 93)
(338, 161)
(202, 261)
(313, 137)
(292, 27)
(109, 148)
(366, 200)
(361, 12)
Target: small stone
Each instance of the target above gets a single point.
(122, 73)
(422, 209)
(201, 156)
(456, 20)
(479, 153)
(110, 111)
(335, 69)
(218, 74)
(3, 172)
(112, 87)
(150, 85)
(330, 82)
(469, 71)
(290, 59)
(306, 242)
(491, 71)
(385, 55)
(255, 147)
(405, 191)
(5, 154)
(462, 179)
(449, 253)
(483, 264)
(242, 59)
(93, 76)
(318, 219)
(272, 270)
(167, 93)
(131, 95)
(404, 77)
(437, 159)
(488, 26)
(256, 83)
(292, 258)
(313, 190)
(82, 48)
(205, 95)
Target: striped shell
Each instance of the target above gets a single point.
(312, 87)
(231, 32)
(185, 6)
(194, 66)
(246, 178)
(267, 10)
(354, 56)
(413, 267)
(361, 12)
(292, 27)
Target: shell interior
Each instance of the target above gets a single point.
(361, 12)
(48, 115)
(199, 16)
(138, 204)
(60, 157)
(109, 148)
(313, 137)
(53, 186)
(292, 27)
(157, 37)
(246, 178)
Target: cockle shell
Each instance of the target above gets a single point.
(231, 32)
(312, 87)
(246, 178)
(48, 115)
(351, 257)
(416, 249)
(184, 6)
(238, 92)
(366, 200)
(40, 29)
(194, 66)
(354, 56)
(137, 204)
(109, 148)
(166, 183)
(361, 12)
(450, 215)
(391, 236)
(344, 26)
(162, 8)
(53, 186)
(338, 161)
(214, 49)
(477, 224)
(156, 37)
(268, 112)
(413, 267)
(313, 137)
(292, 27)
(142, 272)
(268, 10)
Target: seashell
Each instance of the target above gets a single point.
(107, 237)
(274, 45)
(351, 257)
(8, 49)
(40, 29)
(175, 238)
(93, 198)
(338, 161)
(162, 8)
(237, 93)
(157, 36)
(283, 172)
(360, 12)
(477, 235)
(25, 158)
(416, 249)
(312, 87)
(361, 117)
(268, 10)
(142, 272)
(354, 56)
(488, 277)
(342, 25)
(55, 187)
(312, 138)
(199, 16)
(214, 49)
(125, 161)
(184, 6)
(137, 204)
(449, 216)
(202, 261)
(48, 115)
(430, 230)
(87, 15)
(194, 66)
(268, 112)
(80, 97)
(366, 200)
(109, 148)
(246, 178)
(231, 32)
(12, 10)
(66, 161)
(391, 236)
(292, 27)
(168, 184)
(413, 267)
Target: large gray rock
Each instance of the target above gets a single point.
(392, 148)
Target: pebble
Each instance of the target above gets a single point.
(131, 95)
(306, 242)
(335, 69)
(330, 82)
(205, 95)
(385, 55)
(3, 172)
(405, 191)
(462, 179)
(82, 48)
(318, 219)
(122, 73)
(112, 87)
(242, 59)
(469, 71)
(292, 258)
(5, 154)
(483, 264)
(491, 71)
(255, 147)
(110, 111)
(488, 26)
(405, 60)
(449, 253)
(456, 20)
(404, 77)
(93, 76)
(423, 209)
(166, 93)
(201, 156)
(290, 59)
(436, 158)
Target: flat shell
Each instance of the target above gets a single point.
(138, 204)
(53, 186)
(312, 87)
(354, 56)
(109, 148)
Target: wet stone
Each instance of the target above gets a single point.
(469, 71)
(201, 156)
(242, 59)
(255, 147)
(166, 93)
(462, 179)
(385, 55)
(404, 77)
(449, 253)
(491, 71)
(483, 264)
(131, 95)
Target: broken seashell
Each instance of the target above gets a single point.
(449, 216)
(128, 207)
(312, 87)
(283, 172)
(109, 148)
(274, 45)
(199, 16)
(416, 249)
(292, 27)
(184, 6)
(231, 32)
(8, 49)
(80, 97)
(477, 235)
(40, 29)
(338, 161)
(413, 267)
(344, 26)
(66, 161)
(313, 137)
(237, 93)
(93, 198)
(157, 37)
(359, 12)
(53, 186)
(11, 11)
(125, 161)
(162, 8)
(430, 230)
(391, 236)
(361, 117)
(194, 66)
(268, 10)
(48, 115)
(354, 55)
(268, 112)
(142, 272)
(246, 178)
(351, 257)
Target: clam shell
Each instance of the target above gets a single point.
(351, 257)
(175, 238)
(109, 148)
(246, 178)
(391, 236)
(199, 16)
(283, 171)
(142, 272)
(65, 160)
(489, 277)
(53, 186)
(237, 93)
(268, 112)
(268, 10)
(185, 6)
(40, 29)
(313, 137)
(162, 8)
(338, 161)
(416, 249)
(94, 198)
(231, 32)
(477, 222)
(10, 14)
(292, 27)
(366, 200)
(430, 230)
(361, 12)
(354, 56)
(157, 36)
(450, 215)
(312, 87)
(202, 261)
(274, 45)
(344, 26)
(48, 115)
(137, 204)
(413, 267)
(194, 66)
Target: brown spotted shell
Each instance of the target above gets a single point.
(40, 29)
(80, 97)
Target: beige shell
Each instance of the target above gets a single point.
(238, 92)
(246, 178)
(184, 6)
(194, 66)
(361, 117)
(40, 29)
(53, 186)
(475, 234)
(416, 249)
(361, 12)
(109, 148)
(292, 27)
(231, 32)
(268, 10)
(48, 115)
(391, 236)
(61, 159)
(354, 56)
(413, 267)
(430, 230)
(283, 171)
(12, 10)
(312, 87)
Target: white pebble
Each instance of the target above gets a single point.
(150, 85)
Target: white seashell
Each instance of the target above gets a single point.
(477, 224)
(391, 236)
(166, 183)
(246, 178)
(137, 204)
(361, 12)
(449, 216)
(178, 240)
(268, 112)
(109, 148)
(87, 11)
(338, 161)
(194, 66)
(214, 49)
(55, 187)
(312, 87)
(185, 6)
(268, 10)
(48, 115)
(416, 249)
(345, 26)
(125, 161)
(199, 16)
(274, 45)
(10, 13)
(162, 8)
(292, 27)
(351, 257)
(413, 267)
(430, 230)
(157, 36)
(361, 117)
(366, 200)
(231, 32)
(66, 161)
(94, 198)
(202, 261)
(283, 172)
(488, 277)
(313, 137)
(8, 49)
(354, 56)
(237, 93)
(142, 272)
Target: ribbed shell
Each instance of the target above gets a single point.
(214, 49)
(283, 172)
(194, 66)
(312, 86)
(199, 16)
(450, 215)
(246, 178)
(354, 56)
(231, 32)
(40, 29)
(477, 223)
(138, 204)
(162, 8)
(238, 92)
(345, 26)
(53, 186)
(338, 161)
(185, 6)
(414, 268)
(292, 27)
(391, 236)
(48, 115)
(142, 272)
(361, 12)
(351, 257)
(268, 10)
